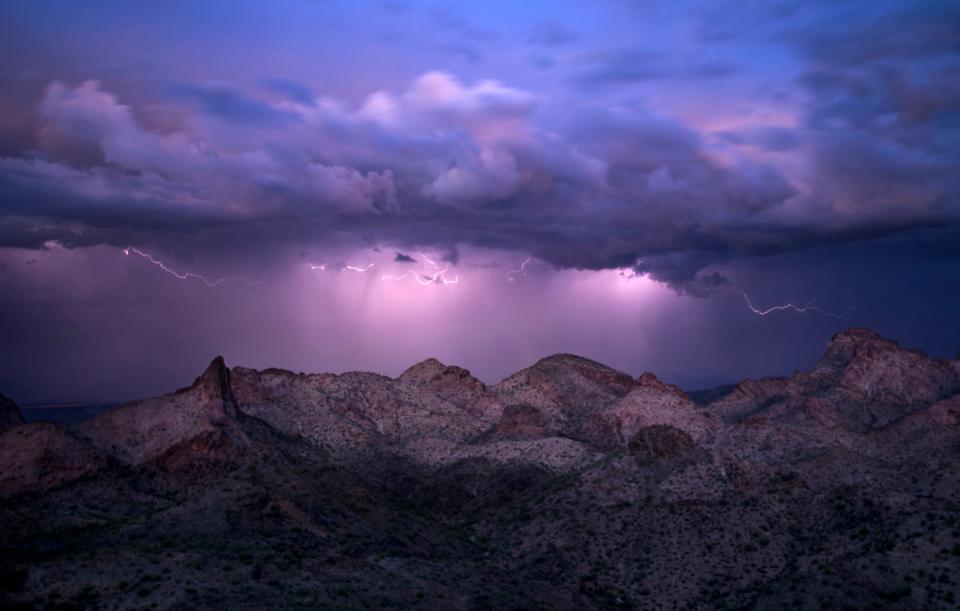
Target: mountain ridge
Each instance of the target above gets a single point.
(863, 381)
(590, 487)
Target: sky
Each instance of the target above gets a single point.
(707, 190)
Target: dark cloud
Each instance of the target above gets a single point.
(685, 272)
(767, 138)
(297, 92)
(228, 104)
(635, 65)
(908, 32)
(403, 258)
(869, 150)
(795, 150)
(613, 189)
(884, 111)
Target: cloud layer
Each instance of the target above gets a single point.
(581, 178)
(699, 144)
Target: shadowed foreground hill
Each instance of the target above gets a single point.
(566, 485)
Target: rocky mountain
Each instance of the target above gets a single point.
(566, 485)
(146, 430)
(862, 382)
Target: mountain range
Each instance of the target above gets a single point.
(566, 485)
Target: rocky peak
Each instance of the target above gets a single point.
(861, 334)
(854, 343)
(582, 366)
(10, 415)
(424, 370)
(450, 383)
(213, 388)
(863, 381)
(144, 430)
(860, 364)
(566, 389)
(574, 373)
(432, 371)
(650, 402)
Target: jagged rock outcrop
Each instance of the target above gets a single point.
(872, 381)
(300, 405)
(650, 402)
(453, 384)
(10, 415)
(433, 410)
(863, 382)
(142, 431)
(435, 413)
(565, 389)
(357, 411)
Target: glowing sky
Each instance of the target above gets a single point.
(324, 185)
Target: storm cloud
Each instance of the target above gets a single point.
(689, 144)
(443, 163)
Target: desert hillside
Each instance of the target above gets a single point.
(566, 485)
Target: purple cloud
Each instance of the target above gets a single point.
(590, 182)
(705, 147)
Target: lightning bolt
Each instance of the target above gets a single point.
(186, 275)
(522, 270)
(439, 275)
(354, 268)
(346, 268)
(806, 307)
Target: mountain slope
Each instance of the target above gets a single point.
(567, 485)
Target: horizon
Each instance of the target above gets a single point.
(702, 190)
(107, 403)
